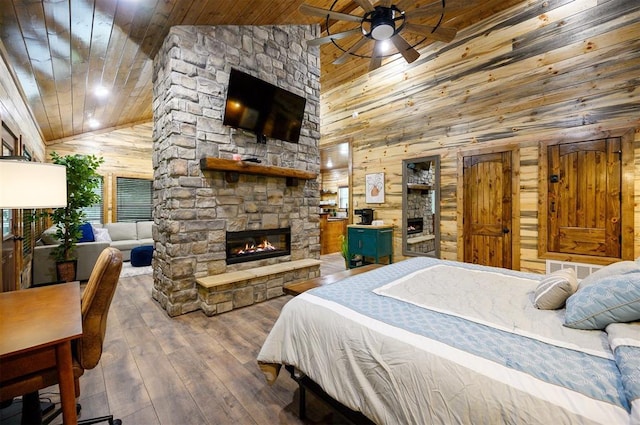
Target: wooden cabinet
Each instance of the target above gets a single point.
(330, 232)
(369, 244)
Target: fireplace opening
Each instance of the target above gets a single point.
(251, 245)
(415, 225)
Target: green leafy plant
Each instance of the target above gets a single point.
(344, 247)
(82, 180)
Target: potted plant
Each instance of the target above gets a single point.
(344, 250)
(82, 180)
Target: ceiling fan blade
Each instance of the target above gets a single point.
(376, 60)
(445, 34)
(343, 58)
(434, 8)
(408, 53)
(385, 3)
(365, 4)
(336, 36)
(317, 11)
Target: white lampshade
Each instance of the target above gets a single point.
(28, 185)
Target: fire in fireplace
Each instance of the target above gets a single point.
(251, 245)
(414, 225)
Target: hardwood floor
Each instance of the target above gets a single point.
(191, 369)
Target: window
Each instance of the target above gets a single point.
(27, 234)
(7, 215)
(343, 197)
(95, 213)
(133, 199)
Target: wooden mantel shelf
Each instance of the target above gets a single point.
(418, 186)
(233, 168)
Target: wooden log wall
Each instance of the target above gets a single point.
(332, 179)
(539, 70)
(16, 116)
(127, 152)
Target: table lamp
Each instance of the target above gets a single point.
(31, 185)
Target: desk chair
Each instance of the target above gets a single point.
(87, 350)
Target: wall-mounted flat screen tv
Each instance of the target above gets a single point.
(263, 109)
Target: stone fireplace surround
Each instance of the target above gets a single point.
(193, 209)
(250, 245)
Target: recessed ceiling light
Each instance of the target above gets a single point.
(94, 123)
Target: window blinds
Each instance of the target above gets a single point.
(134, 199)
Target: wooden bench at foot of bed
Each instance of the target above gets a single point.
(300, 287)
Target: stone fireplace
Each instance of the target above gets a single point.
(415, 225)
(196, 209)
(252, 245)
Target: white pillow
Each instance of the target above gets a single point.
(554, 289)
(621, 267)
(101, 235)
(49, 237)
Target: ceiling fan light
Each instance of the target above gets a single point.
(384, 46)
(382, 31)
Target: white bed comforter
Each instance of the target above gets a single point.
(427, 341)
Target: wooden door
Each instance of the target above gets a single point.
(584, 205)
(487, 221)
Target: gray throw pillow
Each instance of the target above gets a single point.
(554, 289)
(48, 237)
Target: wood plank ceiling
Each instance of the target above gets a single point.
(63, 50)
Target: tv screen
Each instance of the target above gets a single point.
(262, 108)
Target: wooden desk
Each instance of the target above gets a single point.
(36, 329)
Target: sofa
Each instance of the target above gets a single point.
(124, 236)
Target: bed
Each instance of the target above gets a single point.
(427, 341)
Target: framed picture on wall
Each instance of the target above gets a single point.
(374, 188)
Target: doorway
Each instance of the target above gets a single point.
(585, 198)
(489, 212)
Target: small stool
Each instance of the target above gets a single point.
(141, 255)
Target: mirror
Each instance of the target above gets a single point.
(421, 206)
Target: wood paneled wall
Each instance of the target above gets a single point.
(127, 152)
(540, 70)
(16, 115)
(332, 179)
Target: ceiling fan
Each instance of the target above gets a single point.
(384, 22)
